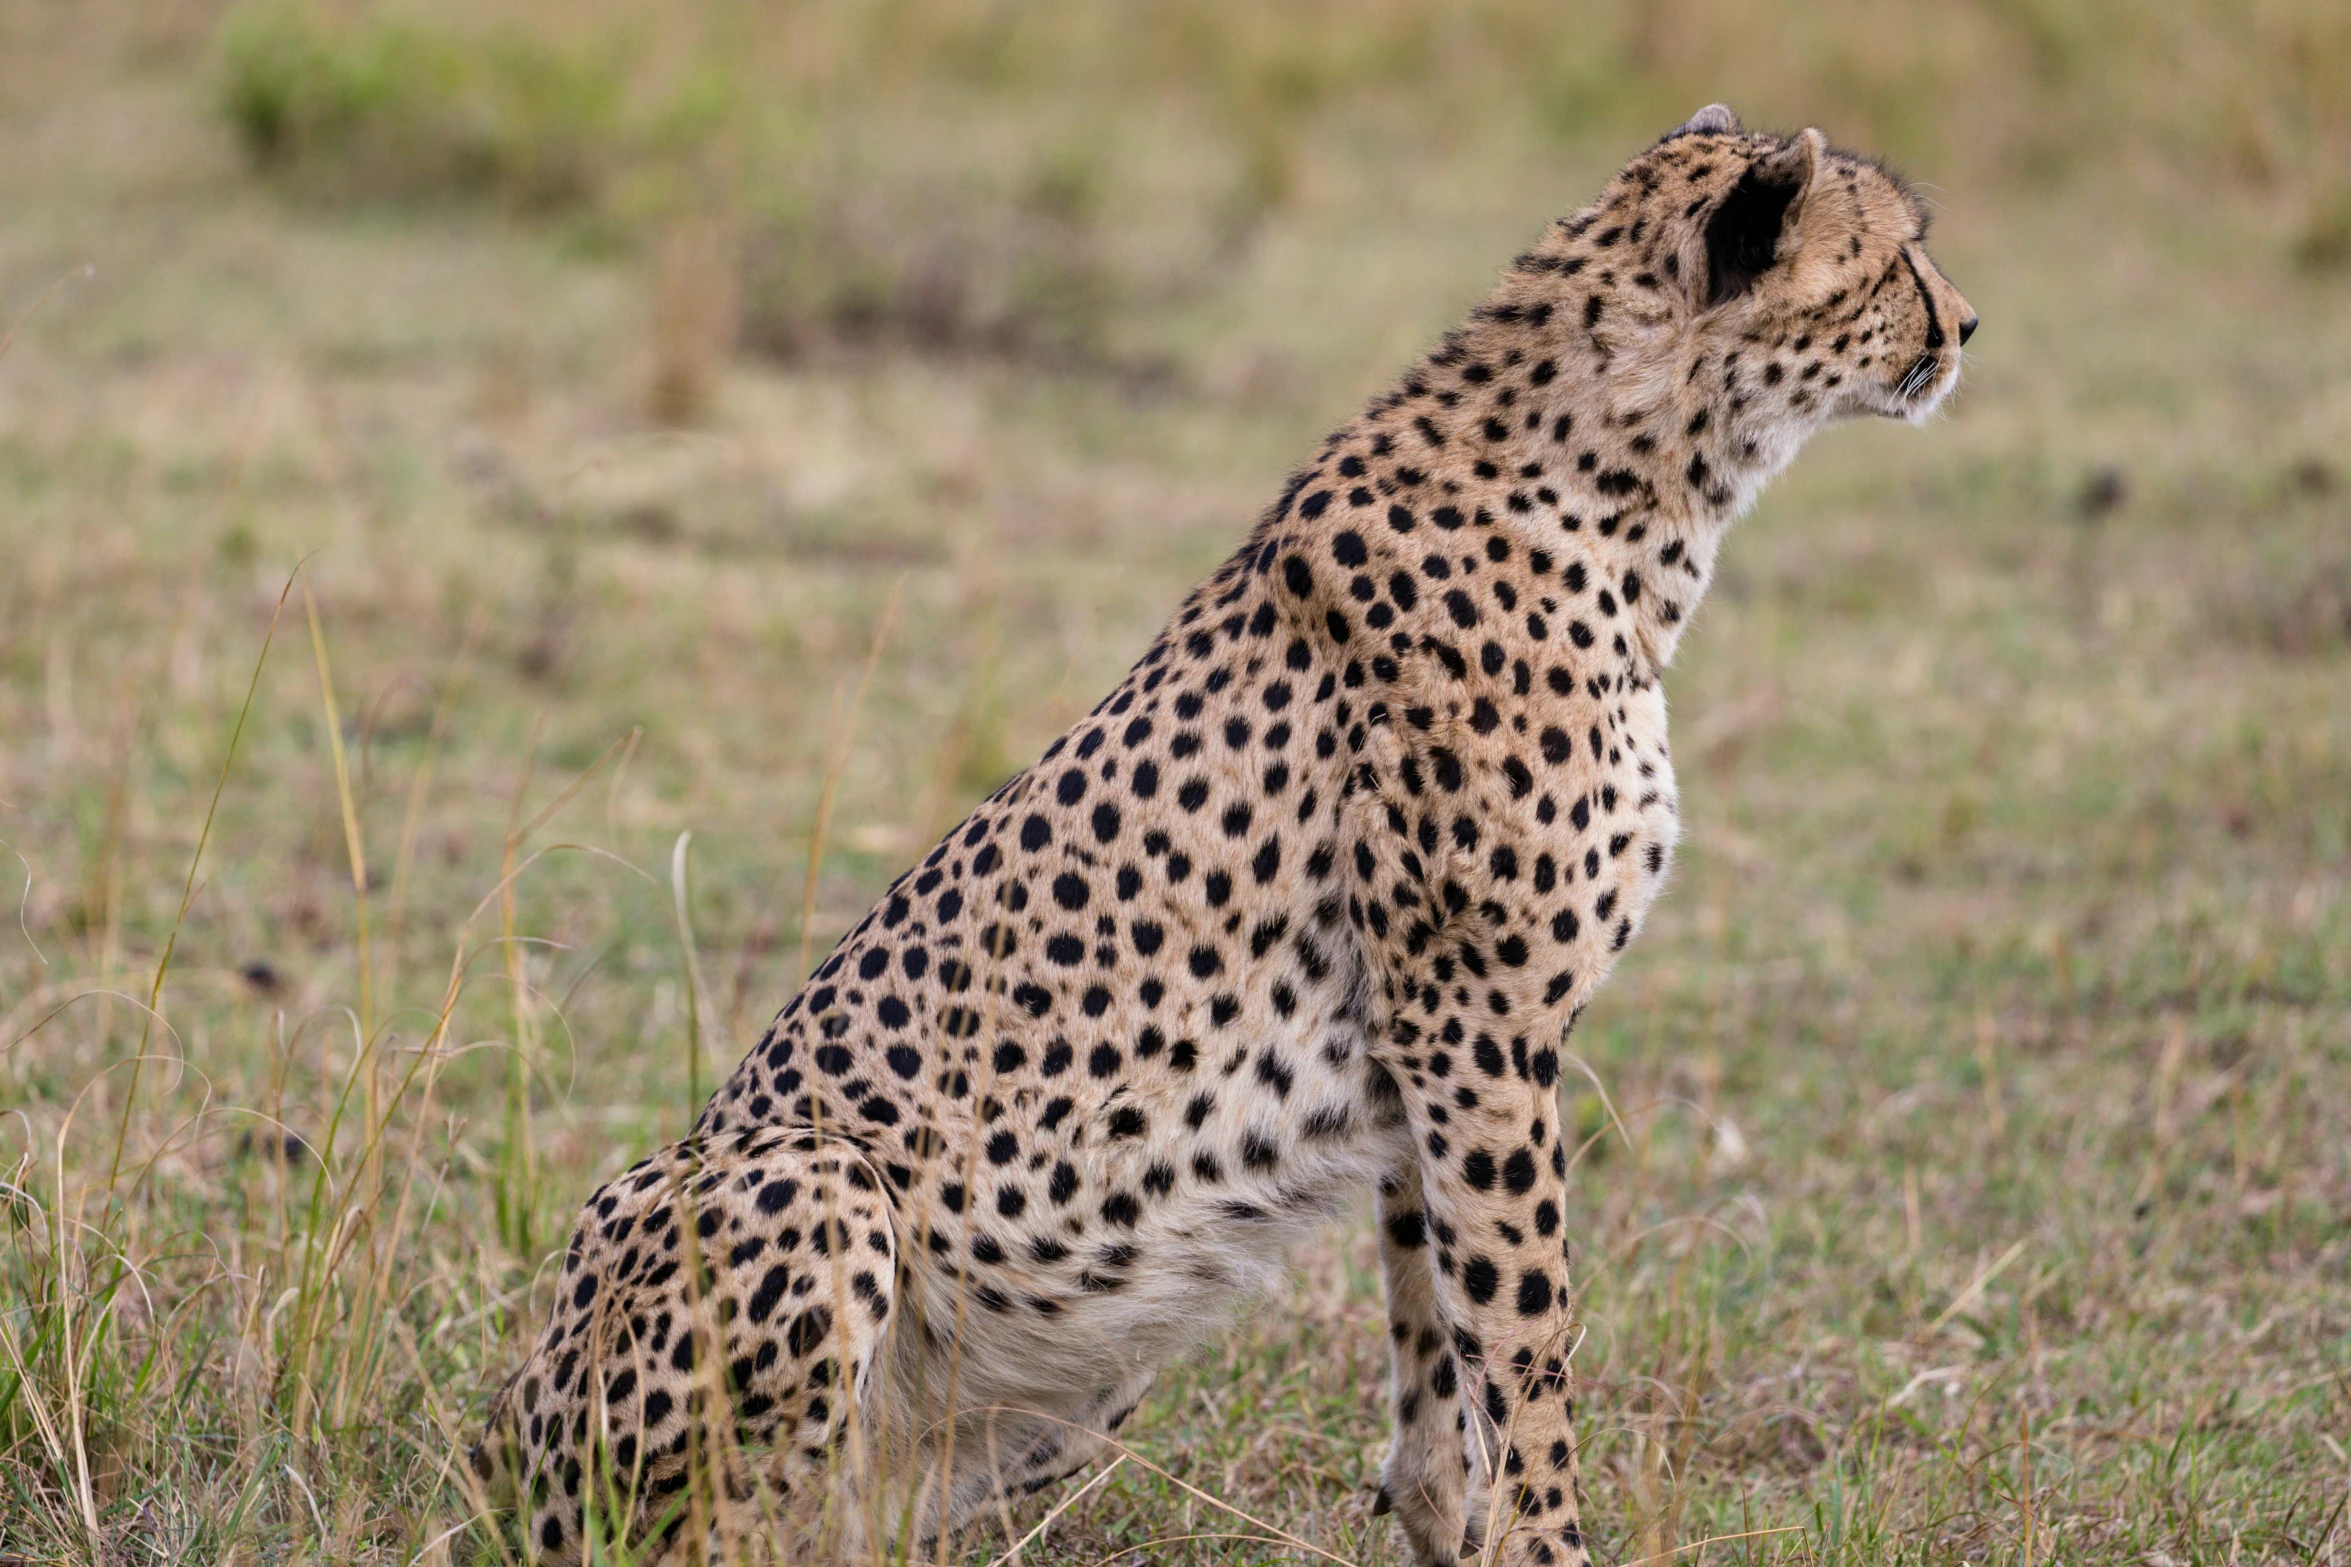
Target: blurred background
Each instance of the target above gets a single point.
(449, 452)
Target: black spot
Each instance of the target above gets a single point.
(770, 1293)
(1275, 1074)
(808, 1330)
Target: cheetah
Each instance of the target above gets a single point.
(1304, 909)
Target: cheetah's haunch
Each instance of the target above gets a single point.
(1306, 905)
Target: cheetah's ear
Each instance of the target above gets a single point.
(1760, 222)
(1716, 119)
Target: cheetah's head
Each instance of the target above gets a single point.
(1812, 259)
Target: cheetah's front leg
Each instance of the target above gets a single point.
(1492, 1180)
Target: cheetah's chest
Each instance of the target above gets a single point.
(1628, 851)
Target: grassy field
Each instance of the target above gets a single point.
(448, 455)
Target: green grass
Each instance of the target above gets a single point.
(1966, 1178)
(394, 107)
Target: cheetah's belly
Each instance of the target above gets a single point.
(1270, 1167)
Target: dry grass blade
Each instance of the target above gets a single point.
(1012, 1553)
(24, 903)
(349, 808)
(82, 273)
(1183, 1539)
(1687, 1546)
(195, 862)
(1976, 1286)
(1127, 1454)
(841, 732)
(46, 1422)
(680, 903)
(421, 781)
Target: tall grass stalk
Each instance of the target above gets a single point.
(840, 733)
(179, 917)
(420, 786)
(681, 902)
(518, 1185)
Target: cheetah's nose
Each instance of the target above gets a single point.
(1967, 329)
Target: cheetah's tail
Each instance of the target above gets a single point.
(495, 1458)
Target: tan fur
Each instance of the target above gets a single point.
(1305, 906)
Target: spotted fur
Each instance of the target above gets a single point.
(1306, 906)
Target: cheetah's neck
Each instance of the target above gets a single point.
(1601, 434)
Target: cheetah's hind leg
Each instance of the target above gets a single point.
(708, 1358)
